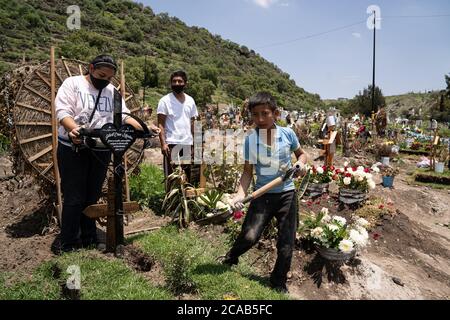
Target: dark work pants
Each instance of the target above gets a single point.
(82, 176)
(169, 166)
(282, 206)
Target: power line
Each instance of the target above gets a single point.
(346, 27)
(428, 16)
(311, 36)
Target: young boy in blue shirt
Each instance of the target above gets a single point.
(268, 150)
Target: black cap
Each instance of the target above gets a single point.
(104, 60)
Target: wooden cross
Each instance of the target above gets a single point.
(329, 144)
(433, 150)
(96, 211)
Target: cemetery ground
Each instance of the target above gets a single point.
(407, 258)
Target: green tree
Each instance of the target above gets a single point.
(363, 101)
(447, 81)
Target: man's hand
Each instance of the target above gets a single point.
(165, 150)
(74, 135)
(154, 128)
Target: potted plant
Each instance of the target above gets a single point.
(388, 173)
(334, 238)
(385, 152)
(354, 183)
(441, 157)
(319, 180)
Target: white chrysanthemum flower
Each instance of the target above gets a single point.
(346, 164)
(317, 232)
(220, 205)
(340, 220)
(363, 232)
(226, 198)
(346, 246)
(362, 222)
(324, 211)
(333, 227)
(375, 169)
(371, 184)
(357, 238)
(319, 170)
(347, 181)
(360, 168)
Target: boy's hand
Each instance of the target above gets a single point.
(237, 204)
(302, 171)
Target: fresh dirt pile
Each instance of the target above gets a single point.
(27, 230)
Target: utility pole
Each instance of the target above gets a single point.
(145, 80)
(373, 71)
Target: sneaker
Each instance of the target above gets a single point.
(279, 287)
(225, 260)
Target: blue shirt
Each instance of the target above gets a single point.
(268, 160)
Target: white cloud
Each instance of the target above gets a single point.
(356, 35)
(264, 3)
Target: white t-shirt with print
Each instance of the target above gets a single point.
(76, 98)
(178, 118)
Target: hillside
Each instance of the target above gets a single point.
(219, 68)
(421, 103)
(405, 105)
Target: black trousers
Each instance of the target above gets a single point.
(82, 176)
(282, 206)
(169, 167)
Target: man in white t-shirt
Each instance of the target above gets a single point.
(176, 114)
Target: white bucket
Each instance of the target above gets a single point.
(439, 167)
(385, 161)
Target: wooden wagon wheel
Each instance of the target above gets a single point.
(32, 115)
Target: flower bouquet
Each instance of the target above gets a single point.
(333, 237)
(212, 207)
(388, 173)
(354, 183)
(319, 180)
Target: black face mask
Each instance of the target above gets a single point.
(98, 83)
(178, 88)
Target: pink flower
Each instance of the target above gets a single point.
(366, 170)
(237, 215)
(376, 236)
(354, 169)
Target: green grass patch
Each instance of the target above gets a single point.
(212, 280)
(100, 279)
(411, 179)
(147, 187)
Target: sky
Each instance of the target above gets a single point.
(326, 45)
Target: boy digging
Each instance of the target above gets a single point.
(268, 149)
